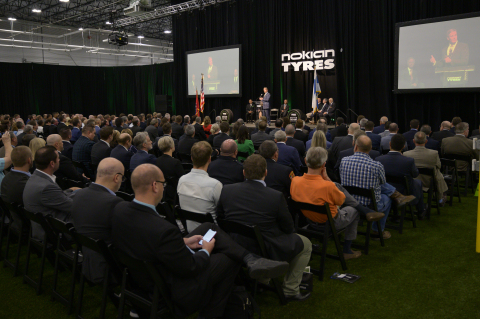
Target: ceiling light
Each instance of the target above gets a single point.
(167, 31)
(140, 37)
(108, 22)
(36, 10)
(81, 29)
(12, 19)
(64, 0)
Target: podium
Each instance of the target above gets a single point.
(455, 76)
(259, 105)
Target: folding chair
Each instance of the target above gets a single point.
(274, 112)
(72, 256)
(66, 183)
(322, 232)
(469, 175)
(432, 189)
(80, 166)
(157, 305)
(252, 232)
(370, 194)
(16, 214)
(449, 169)
(403, 181)
(126, 197)
(243, 154)
(196, 217)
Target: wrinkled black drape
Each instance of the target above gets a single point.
(38, 88)
(362, 34)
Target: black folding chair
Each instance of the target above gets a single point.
(243, 154)
(66, 183)
(17, 216)
(130, 291)
(450, 175)
(72, 256)
(403, 181)
(126, 197)
(165, 210)
(196, 217)
(252, 232)
(322, 232)
(82, 169)
(432, 189)
(370, 194)
(469, 175)
(111, 271)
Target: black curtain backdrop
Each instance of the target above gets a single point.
(39, 89)
(362, 34)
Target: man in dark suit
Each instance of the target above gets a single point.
(136, 127)
(26, 131)
(167, 131)
(293, 141)
(82, 149)
(66, 168)
(143, 144)
(121, 151)
(250, 108)
(212, 72)
(76, 130)
(223, 136)
(279, 177)
(42, 194)
(185, 145)
(330, 112)
(395, 164)
(119, 124)
(226, 169)
(374, 137)
(66, 134)
(53, 128)
(460, 145)
(199, 277)
(299, 133)
(61, 122)
(261, 135)
(102, 148)
(381, 128)
(92, 213)
(252, 203)
(432, 143)
(266, 104)
(199, 131)
(340, 129)
(444, 132)
(456, 53)
(287, 155)
(152, 129)
(341, 143)
(409, 135)
(177, 128)
(284, 108)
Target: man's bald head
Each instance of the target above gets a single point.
(53, 138)
(143, 178)
(353, 127)
(108, 167)
(446, 125)
(393, 128)
(229, 148)
(363, 144)
(124, 139)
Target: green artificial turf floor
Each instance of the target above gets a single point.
(431, 271)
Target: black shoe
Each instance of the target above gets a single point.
(265, 268)
(298, 297)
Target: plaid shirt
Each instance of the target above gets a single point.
(361, 171)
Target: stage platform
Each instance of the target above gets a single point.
(272, 125)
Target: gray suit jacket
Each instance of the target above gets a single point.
(260, 137)
(43, 195)
(459, 144)
(425, 157)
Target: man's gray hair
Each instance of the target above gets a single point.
(198, 119)
(316, 157)
(267, 149)
(420, 137)
(426, 129)
(186, 118)
(363, 122)
(153, 122)
(167, 115)
(383, 119)
(357, 134)
(280, 136)
(218, 119)
(446, 125)
(215, 128)
(20, 124)
(140, 139)
(353, 127)
(28, 129)
(459, 128)
(189, 130)
(241, 121)
(165, 144)
(290, 129)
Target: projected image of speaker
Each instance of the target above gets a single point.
(161, 103)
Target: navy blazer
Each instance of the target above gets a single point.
(409, 135)
(379, 129)
(432, 144)
(141, 157)
(288, 155)
(227, 170)
(395, 164)
(123, 155)
(375, 140)
(67, 149)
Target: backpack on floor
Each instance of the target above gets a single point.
(241, 305)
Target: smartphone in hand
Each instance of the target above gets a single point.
(208, 236)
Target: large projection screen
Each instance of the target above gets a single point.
(221, 68)
(441, 54)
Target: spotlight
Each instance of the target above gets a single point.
(36, 10)
(108, 22)
(80, 29)
(64, 0)
(167, 31)
(12, 19)
(140, 37)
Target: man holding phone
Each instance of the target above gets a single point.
(200, 277)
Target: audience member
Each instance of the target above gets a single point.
(455, 121)
(82, 149)
(207, 126)
(244, 144)
(252, 203)
(300, 134)
(376, 139)
(387, 127)
(278, 127)
(143, 144)
(121, 151)
(261, 136)
(66, 134)
(152, 130)
(340, 144)
(460, 145)
(35, 144)
(322, 125)
(381, 128)
(185, 145)
(318, 139)
(136, 127)
(431, 143)
(171, 167)
(295, 142)
(385, 142)
(76, 130)
(102, 148)
(409, 135)
(278, 176)
(13, 143)
(350, 151)
(66, 168)
(444, 132)
(226, 169)
(340, 129)
(199, 132)
(287, 155)
(214, 131)
(222, 136)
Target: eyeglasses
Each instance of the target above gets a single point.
(164, 183)
(124, 178)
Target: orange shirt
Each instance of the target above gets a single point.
(313, 189)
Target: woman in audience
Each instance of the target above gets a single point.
(235, 128)
(318, 139)
(207, 125)
(244, 144)
(214, 131)
(171, 167)
(35, 144)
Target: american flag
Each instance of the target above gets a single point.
(202, 97)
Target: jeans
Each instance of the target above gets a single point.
(384, 204)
